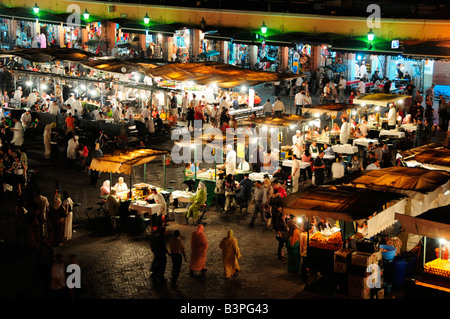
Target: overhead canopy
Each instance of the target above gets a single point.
(381, 99)
(406, 178)
(222, 74)
(123, 161)
(432, 159)
(123, 66)
(434, 223)
(276, 120)
(330, 108)
(49, 54)
(340, 203)
(413, 151)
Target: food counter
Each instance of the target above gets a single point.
(345, 149)
(364, 141)
(392, 133)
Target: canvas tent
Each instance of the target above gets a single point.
(425, 189)
(433, 159)
(380, 99)
(122, 162)
(348, 204)
(222, 74)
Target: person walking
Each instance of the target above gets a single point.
(293, 247)
(295, 173)
(230, 255)
(68, 207)
(259, 200)
(230, 193)
(159, 249)
(280, 227)
(199, 248)
(319, 169)
(177, 251)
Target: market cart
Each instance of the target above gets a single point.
(123, 162)
(351, 209)
(425, 189)
(434, 223)
(379, 101)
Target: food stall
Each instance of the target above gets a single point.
(332, 110)
(122, 162)
(425, 189)
(379, 101)
(351, 213)
(431, 158)
(213, 144)
(435, 224)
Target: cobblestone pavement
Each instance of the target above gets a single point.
(118, 266)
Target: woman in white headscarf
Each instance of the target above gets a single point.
(106, 188)
(198, 200)
(72, 146)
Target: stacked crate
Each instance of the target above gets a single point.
(365, 276)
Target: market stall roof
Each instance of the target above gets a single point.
(406, 178)
(123, 66)
(434, 223)
(49, 54)
(330, 108)
(413, 151)
(339, 203)
(123, 161)
(276, 120)
(432, 159)
(222, 74)
(376, 209)
(381, 99)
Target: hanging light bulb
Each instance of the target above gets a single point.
(263, 28)
(35, 8)
(86, 14)
(370, 35)
(146, 19)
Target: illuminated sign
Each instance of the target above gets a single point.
(395, 44)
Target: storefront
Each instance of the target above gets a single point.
(5, 37)
(300, 58)
(239, 54)
(181, 44)
(72, 37)
(268, 57)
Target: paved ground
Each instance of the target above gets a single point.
(118, 266)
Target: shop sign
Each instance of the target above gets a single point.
(251, 97)
(429, 66)
(395, 44)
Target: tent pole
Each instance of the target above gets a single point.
(164, 183)
(145, 172)
(131, 181)
(424, 249)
